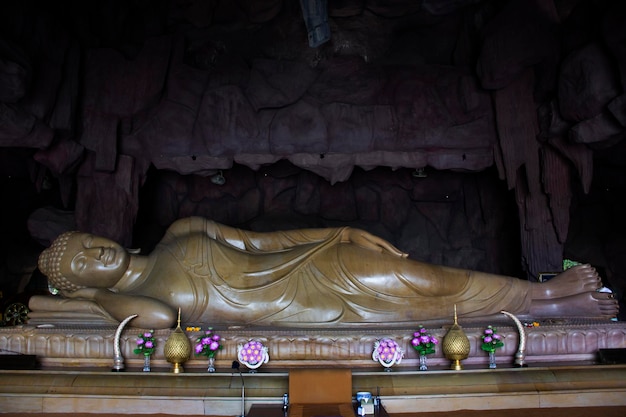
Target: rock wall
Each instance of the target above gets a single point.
(101, 93)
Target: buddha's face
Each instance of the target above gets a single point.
(93, 261)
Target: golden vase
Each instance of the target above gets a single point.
(177, 348)
(455, 344)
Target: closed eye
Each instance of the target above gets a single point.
(88, 241)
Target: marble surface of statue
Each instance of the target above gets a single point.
(339, 277)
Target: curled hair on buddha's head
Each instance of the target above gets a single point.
(49, 263)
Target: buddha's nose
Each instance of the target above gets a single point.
(96, 253)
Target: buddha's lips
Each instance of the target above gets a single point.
(108, 256)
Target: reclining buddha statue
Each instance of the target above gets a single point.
(333, 277)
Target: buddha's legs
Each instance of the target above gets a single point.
(571, 293)
(430, 291)
(395, 276)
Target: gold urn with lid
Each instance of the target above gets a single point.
(455, 344)
(177, 348)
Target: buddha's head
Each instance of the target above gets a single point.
(78, 260)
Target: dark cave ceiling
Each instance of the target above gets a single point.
(94, 93)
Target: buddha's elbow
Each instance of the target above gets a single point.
(160, 318)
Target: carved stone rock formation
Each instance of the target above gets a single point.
(533, 88)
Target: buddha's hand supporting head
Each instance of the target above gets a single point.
(83, 293)
(79, 260)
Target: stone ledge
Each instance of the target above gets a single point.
(201, 393)
(552, 342)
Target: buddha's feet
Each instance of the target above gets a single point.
(589, 304)
(576, 280)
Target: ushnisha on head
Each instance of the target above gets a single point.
(50, 263)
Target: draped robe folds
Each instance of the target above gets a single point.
(226, 276)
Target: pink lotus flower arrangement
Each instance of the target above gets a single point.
(146, 344)
(253, 354)
(208, 344)
(491, 340)
(387, 352)
(423, 342)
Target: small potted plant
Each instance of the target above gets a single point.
(146, 344)
(208, 344)
(491, 341)
(424, 343)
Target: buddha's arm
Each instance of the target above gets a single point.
(273, 241)
(290, 238)
(151, 313)
(249, 240)
(280, 240)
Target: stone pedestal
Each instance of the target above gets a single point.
(554, 341)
